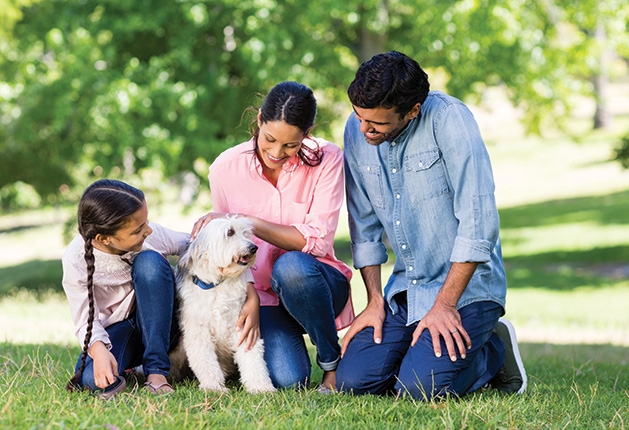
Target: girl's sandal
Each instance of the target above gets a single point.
(118, 386)
(164, 388)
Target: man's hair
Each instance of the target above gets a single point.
(389, 80)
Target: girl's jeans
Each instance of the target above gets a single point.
(312, 294)
(151, 330)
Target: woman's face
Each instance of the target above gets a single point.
(277, 143)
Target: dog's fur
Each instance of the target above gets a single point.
(220, 254)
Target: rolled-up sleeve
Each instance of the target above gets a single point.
(469, 171)
(365, 227)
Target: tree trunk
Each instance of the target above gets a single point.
(371, 42)
(602, 118)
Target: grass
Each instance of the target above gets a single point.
(571, 387)
(563, 209)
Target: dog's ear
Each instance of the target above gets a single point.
(187, 258)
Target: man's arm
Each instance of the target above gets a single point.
(373, 314)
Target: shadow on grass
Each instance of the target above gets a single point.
(603, 210)
(35, 276)
(564, 271)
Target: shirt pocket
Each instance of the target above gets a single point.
(425, 175)
(372, 179)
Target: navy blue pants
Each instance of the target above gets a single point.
(394, 367)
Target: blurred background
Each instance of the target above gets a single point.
(152, 91)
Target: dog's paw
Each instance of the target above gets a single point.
(217, 388)
(260, 390)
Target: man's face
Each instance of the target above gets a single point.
(380, 124)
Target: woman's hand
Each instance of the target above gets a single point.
(249, 320)
(203, 221)
(105, 365)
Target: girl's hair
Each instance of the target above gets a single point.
(295, 104)
(105, 208)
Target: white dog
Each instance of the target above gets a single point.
(212, 290)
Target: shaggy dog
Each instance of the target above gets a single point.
(211, 289)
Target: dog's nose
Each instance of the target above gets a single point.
(253, 248)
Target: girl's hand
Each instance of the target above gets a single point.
(249, 320)
(105, 365)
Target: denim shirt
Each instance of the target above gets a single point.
(431, 192)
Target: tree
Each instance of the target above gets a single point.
(111, 87)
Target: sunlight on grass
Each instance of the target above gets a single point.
(25, 318)
(583, 315)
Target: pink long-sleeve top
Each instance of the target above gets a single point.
(307, 198)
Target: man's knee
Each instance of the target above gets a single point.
(424, 386)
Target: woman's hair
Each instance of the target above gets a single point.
(389, 80)
(105, 208)
(295, 104)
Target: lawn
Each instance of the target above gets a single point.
(565, 237)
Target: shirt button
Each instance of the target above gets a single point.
(368, 169)
(410, 267)
(394, 170)
(393, 144)
(397, 222)
(414, 281)
(403, 246)
(421, 164)
(397, 196)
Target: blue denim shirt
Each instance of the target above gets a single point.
(431, 191)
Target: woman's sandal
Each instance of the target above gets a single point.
(118, 386)
(164, 388)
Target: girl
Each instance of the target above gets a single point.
(290, 185)
(121, 289)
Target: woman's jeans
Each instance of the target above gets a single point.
(147, 335)
(312, 294)
(396, 367)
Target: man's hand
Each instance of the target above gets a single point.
(444, 321)
(372, 316)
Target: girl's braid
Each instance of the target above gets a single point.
(104, 208)
(75, 382)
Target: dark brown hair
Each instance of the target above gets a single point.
(295, 104)
(389, 80)
(105, 208)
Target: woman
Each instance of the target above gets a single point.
(290, 185)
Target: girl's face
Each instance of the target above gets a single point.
(278, 141)
(130, 237)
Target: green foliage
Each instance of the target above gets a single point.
(621, 152)
(119, 88)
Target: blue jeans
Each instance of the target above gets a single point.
(395, 367)
(312, 294)
(147, 335)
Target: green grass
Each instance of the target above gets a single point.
(571, 386)
(565, 240)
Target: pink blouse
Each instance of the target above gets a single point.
(307, 198)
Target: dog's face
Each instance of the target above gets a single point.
(223, 248)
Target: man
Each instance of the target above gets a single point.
(417, 171)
